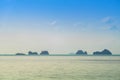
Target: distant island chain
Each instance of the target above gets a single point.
(79, 52)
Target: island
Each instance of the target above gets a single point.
(104, 52)
(80, 52)
(32, 53)
(44, 53)
(20, 54)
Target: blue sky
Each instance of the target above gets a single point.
(59, 26)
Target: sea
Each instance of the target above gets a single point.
(59, 67)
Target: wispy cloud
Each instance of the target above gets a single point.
(53, 22)
(110, 24)
(114, 27)
(107, 20)
(110, 28)
(79, 26)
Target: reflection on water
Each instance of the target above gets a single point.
(59, 67)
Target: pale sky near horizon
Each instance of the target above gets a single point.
(59, 26)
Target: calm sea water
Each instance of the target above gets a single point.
(59, 67)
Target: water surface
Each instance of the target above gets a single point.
(59, 67)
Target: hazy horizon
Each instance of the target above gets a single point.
(59, 26)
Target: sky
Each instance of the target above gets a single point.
(59, 26)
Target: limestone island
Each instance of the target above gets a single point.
(44, 53)
(104, 52)
(32, 53)
(80, 52)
